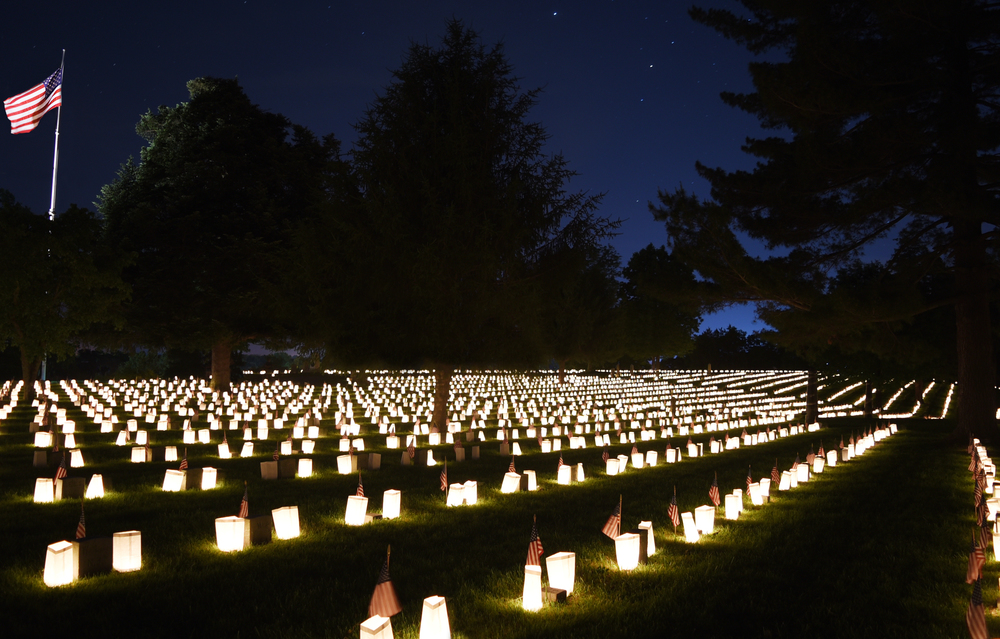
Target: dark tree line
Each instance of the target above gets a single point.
(446, 238)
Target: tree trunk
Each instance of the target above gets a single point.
(442, 394)
(812, 402)
(221, 353)
(562, 372)
(29, 373)
(868, 398)
(976, 397)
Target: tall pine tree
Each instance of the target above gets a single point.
(886, 124)
(457, 201)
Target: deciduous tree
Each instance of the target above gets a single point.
(58, 281)
(659, 306)
(219, 185)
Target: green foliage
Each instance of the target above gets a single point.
(143, 365)
(219, 186)
(864, 341)
(59, 280)
(456, 201)
(733, 349)
(578, 305)
(659, 315)
(884, 125)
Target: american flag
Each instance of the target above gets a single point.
(277, 451)
(713, 492)
(976, 560)
(975, 617)
(184, 461)
(775, 476)
(535, 549)
(81, 528)
(749, 479)
(634, 449)
(977, 490)
(985, 535)
(605, 456)
(411, 450)
(841, 441)
(24, 110)
(244, 505)
(361, 487)
(61, 471)
(613, 525)
(561, 464)
(384, 601)
(511, 469)
(673, 512)
(444, 476)
(972, 462)
(796, 464)
(128, 435)
(981, 510)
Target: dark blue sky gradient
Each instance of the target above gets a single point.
(630, 87)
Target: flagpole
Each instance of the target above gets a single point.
(55, 153)
(55, 170)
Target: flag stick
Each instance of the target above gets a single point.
(678, 508)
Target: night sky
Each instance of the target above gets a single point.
(630, 88)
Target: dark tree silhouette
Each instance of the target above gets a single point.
(457, 201)
(885, 120)
(219, 185)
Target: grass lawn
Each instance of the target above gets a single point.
(876, 547)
